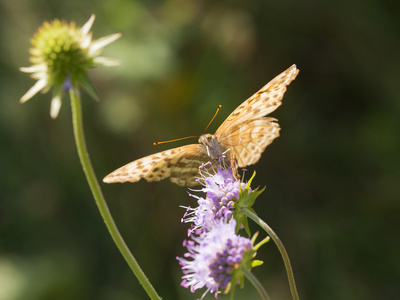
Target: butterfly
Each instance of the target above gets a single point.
(244, 134)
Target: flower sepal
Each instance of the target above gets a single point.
(84, 81)
(247, 197)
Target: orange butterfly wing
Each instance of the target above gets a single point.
(180, 164)
(246, 131)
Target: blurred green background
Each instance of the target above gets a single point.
(333, 177)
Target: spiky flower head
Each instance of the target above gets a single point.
(60, 55)
(217, 260)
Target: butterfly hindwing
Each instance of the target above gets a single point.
(249, 140)
(186, 169)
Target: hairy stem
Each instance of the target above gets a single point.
(98, 195)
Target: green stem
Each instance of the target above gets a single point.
(256, 283)
(98, 195)
(281, 248)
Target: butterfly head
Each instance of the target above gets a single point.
(211, 145)
(208, 140)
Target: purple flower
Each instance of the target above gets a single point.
(222, 195)
(215, 257)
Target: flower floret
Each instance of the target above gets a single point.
(222, 191)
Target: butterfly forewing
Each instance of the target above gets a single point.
(265, 101)
(180, 164)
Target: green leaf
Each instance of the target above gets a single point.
(256, 263)
(264, 241)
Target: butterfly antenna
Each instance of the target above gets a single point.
(219, 107)
(189, 137)
(184, 138)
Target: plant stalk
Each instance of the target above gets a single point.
(282, 250)
(98, 195)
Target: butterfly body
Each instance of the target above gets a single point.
(245, 133)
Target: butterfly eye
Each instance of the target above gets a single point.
(209, 138)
